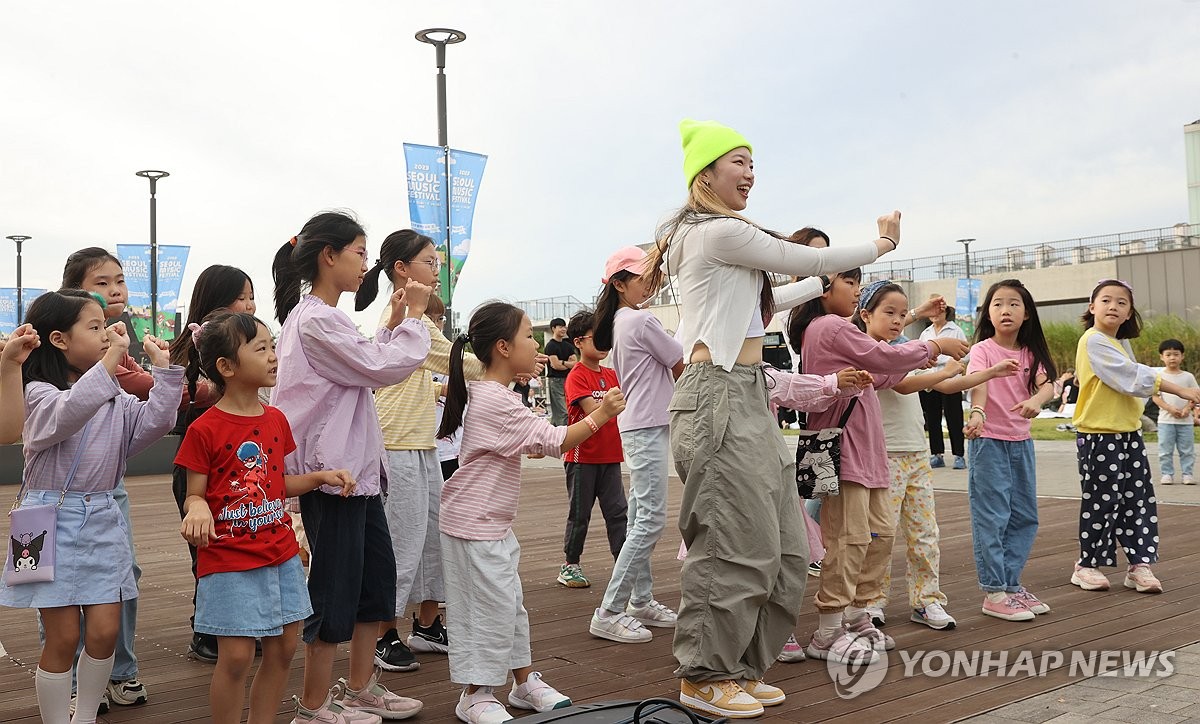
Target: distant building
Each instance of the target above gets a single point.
(1191, 149)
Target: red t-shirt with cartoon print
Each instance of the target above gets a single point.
(243, 459)
(604, 446)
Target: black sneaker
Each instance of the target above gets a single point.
(430, 639)
(203, 648)
(392, 655)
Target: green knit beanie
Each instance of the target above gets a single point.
(705, 142)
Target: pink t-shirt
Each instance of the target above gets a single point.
(1004, 392)
(479, 501)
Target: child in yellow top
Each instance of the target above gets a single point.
(1118, 505)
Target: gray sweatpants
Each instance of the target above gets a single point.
(413, 507)
(744, 575)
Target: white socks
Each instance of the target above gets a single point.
(54, 696)
(996, 596)
(853, 611)
(829, 624)
(92, 679)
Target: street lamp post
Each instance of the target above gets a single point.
(970, 296)
(20, 239)
(439, 38)
(154, 176)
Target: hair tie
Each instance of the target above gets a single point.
(464, 338)
(292, 241)
(197, 330)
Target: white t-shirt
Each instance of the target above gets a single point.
(903, 422)
(950, 330)
(1183, 378)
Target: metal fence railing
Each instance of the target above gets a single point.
(543, 310)
(1036, 256)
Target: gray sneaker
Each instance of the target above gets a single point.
(619, 627)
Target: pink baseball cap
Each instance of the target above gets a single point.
(627, 258)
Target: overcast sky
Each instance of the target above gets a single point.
(1013, 123)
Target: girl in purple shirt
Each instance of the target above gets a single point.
(647, 361)
(856, 524)
(80, 430)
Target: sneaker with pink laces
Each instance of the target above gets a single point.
(1142, 578)
(792, 651)
(374, 698)
(1032, 602)
(1089, 579)
(1009, 608)
(843, 648)
(861, 626)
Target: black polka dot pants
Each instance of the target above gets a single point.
(1118, 505)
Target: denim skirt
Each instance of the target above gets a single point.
(258, 602)
(94, 563)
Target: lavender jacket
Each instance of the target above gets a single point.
(327, 375)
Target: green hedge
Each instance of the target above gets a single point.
(1063, 339)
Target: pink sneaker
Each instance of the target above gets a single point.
(1031, 601)
(374, 698)
(843, 648)
(1089, 579)
(1009, 608)
(1141, 578)
(792, 651)
(862, 627)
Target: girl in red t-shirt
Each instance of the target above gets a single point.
(234, 515)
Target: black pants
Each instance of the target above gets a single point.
(934, 404)
(587, 483)
(179, 489)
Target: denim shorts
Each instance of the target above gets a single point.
(258, 602)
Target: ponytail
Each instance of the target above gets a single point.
(295, 262)
(399, 246)
(489, 324)
(607, 305)
(456, 390)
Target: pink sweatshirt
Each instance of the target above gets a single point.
(832, 343)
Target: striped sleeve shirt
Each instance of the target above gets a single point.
(479, 502)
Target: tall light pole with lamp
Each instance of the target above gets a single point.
(439, 38)
(20, 239)
(154, 176)
(970, 289)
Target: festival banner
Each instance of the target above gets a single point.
(135, 259)
(967, 296)
(427, 204)
(8, 306)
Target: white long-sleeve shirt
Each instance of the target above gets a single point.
(716, 265)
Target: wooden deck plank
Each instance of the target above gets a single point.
(591, 669)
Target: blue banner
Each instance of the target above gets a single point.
(135, 259)
(427, 204)
(967, 295)
(8, 306)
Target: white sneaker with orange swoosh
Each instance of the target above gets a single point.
(723, 698)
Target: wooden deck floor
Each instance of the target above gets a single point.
(589, 669)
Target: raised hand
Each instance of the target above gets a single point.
(417, 295)
(613, 403)
(156, 351)
(889, 226)
(118, 338)
(24, 340)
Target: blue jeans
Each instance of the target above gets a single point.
(646, 452)
(1002, 492)
(1172, 437)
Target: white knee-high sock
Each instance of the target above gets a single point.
(92, 679)
(54, 696)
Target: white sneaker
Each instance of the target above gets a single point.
(933, 616)
(619, 627)
(1167, 480)
(537, 695)
(1189, 480)
(653, 614)
(877, 616)
(482, 707)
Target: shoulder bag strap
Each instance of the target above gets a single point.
(846, 414)
(75, 463)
